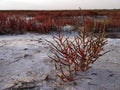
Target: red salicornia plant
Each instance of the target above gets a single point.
(71, 56)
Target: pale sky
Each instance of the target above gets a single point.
(58, 4)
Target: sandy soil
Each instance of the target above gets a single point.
(24, 63)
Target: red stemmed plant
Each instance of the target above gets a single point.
(77, 55)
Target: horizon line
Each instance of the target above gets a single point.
(52, 9)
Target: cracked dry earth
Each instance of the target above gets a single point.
(24, 65)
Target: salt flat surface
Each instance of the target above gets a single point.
(25, 58)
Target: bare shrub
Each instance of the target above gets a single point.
(71, 56)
